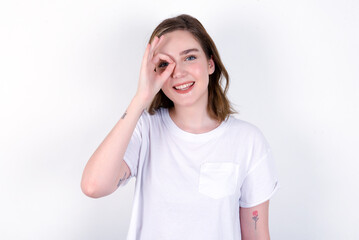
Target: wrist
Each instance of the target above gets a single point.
(140, 101)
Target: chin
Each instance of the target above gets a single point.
(187, 101)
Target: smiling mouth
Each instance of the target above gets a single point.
(184, 86)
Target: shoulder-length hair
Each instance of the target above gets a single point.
(218, 107)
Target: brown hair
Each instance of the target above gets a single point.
(218, 107)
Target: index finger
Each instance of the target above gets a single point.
(154, 45)
(160, 56)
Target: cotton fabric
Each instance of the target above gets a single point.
(191, 186)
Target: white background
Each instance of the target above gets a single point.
(69, 69)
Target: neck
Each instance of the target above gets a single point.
(193, 119)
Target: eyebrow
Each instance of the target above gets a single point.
(189, 50)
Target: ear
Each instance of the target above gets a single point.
(211, 66)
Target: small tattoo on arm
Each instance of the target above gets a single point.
(123, 116)
(255, 219)
(121, 180)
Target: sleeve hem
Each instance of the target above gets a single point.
(124, 183)
(249, 205)
(130, 166)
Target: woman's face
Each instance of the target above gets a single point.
(192, 67)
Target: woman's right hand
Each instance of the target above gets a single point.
(154, 72)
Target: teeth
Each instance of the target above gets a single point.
(184, 86)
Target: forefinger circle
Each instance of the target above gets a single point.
(160, 56)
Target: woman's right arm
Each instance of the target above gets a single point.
(106, 168)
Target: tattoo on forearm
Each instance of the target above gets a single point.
(255, 219)
(123, 116)
(121, 180)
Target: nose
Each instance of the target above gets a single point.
(178, 71)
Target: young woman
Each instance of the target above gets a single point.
(200, 172)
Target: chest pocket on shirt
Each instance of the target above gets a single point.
(218, 179)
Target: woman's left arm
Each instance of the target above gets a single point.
(254, 222)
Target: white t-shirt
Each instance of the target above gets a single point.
(190, 186)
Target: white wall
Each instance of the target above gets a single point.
(68, 70)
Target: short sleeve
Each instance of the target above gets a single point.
(132, 154)
(261, 181)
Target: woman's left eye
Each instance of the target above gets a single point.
(163, 64)
(191, 58)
